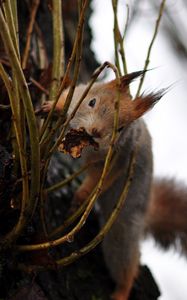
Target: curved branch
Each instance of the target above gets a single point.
(99, 237)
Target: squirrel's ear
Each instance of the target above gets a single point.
(125, 80)
(142, 104)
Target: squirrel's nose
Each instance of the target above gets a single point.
(95, 133)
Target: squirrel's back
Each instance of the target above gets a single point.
(121, 244)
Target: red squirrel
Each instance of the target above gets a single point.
(156, 207)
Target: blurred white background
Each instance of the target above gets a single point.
(167, 121)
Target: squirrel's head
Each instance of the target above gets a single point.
(96, 112)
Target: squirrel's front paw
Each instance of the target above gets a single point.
(46, 106)
(44, 109)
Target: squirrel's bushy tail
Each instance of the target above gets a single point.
(166, 219)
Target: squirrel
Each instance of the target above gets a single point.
(158, 207)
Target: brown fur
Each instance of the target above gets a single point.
(167, 214)
(125, 80)
(127, 280)
(130, 110)
(144, 103)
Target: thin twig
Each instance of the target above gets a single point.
(42, 199)
(147, 61)
(78, 212)
(58, 49)
(127, 22)
(10, 8)
(119, 40)
(61, 184)
(42, 51)
(15, 20)
(34, 9)
(73, 217)
(39, 86)
(116, 32)
(122, 44)
(57, 74)
(13, 23)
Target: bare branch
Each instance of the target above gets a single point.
(147, 61)
(34, 9)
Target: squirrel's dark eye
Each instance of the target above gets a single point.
(92, 102)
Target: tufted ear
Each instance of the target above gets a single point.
(131, 110)
(125, 80)
(142, 104)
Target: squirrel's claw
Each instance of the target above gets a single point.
(44, 109)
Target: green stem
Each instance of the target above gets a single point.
(58, 49)
(122, 44)
(119, 40)
(34, 9)
(57, 73)
(11, 18)
(68, 100)
(12, 23)
(147, 61)
(15, 18)
(61, 184)
(22, 156)
(30, 116)
(116, 32)
(127, 21)
(20, 108)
